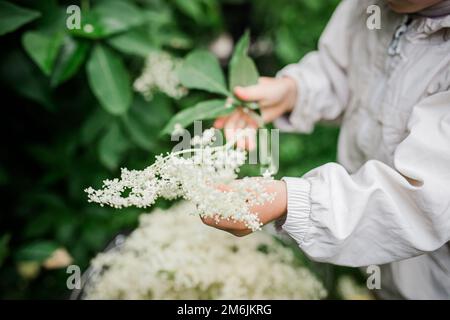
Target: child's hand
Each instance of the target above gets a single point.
(275, 97)
(267, 212)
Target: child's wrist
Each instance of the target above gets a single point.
(278, 207)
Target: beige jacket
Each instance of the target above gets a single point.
(387, 202)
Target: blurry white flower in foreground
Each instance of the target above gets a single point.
(172, 255)
(60, 258)
(350, 290)
(222, 46)
(160, 74)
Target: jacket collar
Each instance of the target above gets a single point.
(426, 26)
(438, 10)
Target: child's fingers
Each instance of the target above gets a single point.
(250, 93)
(265, 103)
(240, 123)
(236, 121)
(248, 141)
(219, 123)
(270, 114)
(265, 80)
(250, 121)
(230, 125)
(225, 225)
(234, 124)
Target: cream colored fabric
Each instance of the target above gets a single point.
(388, 200)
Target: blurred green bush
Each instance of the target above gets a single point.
(71, 118)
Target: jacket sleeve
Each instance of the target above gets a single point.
(379, 214)
(321, 77)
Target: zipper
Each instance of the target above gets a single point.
(394, 46)
(393, 51)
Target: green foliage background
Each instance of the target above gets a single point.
(70, 118)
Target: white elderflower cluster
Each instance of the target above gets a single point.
(160, 74)
(205, 175)
(349, 289)
(172, 256)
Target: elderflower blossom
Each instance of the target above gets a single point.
(196, 178)
(206, 138)
(160, 74)
(172, 256)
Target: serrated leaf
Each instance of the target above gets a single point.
(201, 70)
(243, 71)
(43, 48)
(70, 58)
(112, 147)
(37, 251)
(13, 17)
(109, 80)
(202, 111)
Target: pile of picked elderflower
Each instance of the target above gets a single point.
(160, 74)
(193, 174)
(349, 289)
(173, 256)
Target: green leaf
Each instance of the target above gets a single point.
(202, 111)
(132, 42)
(37, 251)
(43, 48)
(108, 18)
(203, 12)
(53, 17)
(243, 71)
(109, 80)
(13, 17)
(192, 8)
(26, 78)
(96, 122)
(242, 46)
(201, 70)
(112, 147)
(144, 120)
(71, 57)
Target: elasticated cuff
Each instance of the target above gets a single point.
(298, 219)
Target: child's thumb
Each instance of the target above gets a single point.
(250, 93)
